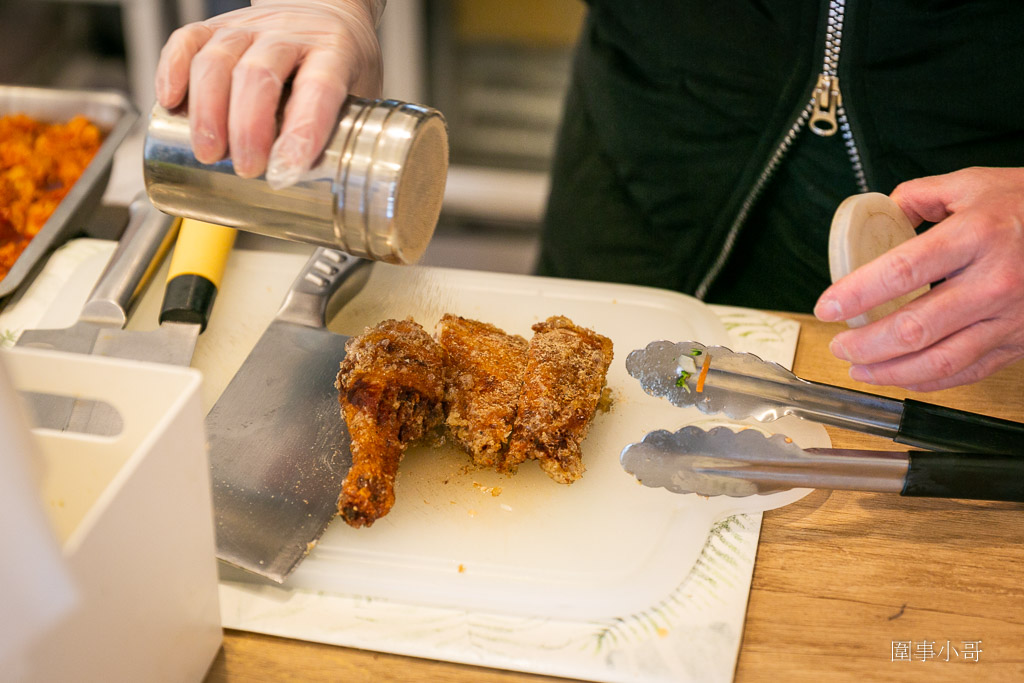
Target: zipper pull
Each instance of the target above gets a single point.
(827, 99)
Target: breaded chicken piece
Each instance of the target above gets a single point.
(565, 374)
(483, 378)
(390, 386)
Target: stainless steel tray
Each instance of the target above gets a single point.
(114, 115)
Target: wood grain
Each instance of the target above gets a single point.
(839, 577)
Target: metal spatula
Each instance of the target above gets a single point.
(197, 265)
(146, 240)
(724, 462)
(716, 379)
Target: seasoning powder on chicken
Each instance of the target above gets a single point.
(502, 399)
(390, 386)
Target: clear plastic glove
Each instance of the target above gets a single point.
(233, 69)
(969, 325)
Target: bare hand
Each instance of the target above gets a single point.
(969, 325)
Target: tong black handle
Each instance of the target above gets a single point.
(937, 428)
(971, 476)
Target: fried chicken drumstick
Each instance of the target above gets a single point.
(390, 387)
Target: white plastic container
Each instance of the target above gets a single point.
(134, 519)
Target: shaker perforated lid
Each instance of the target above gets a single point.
(391, 180)
(864, 227)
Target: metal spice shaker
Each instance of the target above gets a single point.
(375, 191)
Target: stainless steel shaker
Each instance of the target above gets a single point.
(375, 192)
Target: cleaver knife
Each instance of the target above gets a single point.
(279, 449)
(146, 240)
(197, 267)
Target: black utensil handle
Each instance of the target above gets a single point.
(972, 476)
(197, 267)
(937, 428)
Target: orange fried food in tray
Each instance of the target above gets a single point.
(39, 162)
(390, 387)
(483, 377)
(565, 375)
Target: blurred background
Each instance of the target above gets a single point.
(497, 69)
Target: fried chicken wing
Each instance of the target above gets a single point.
(565, 374)
(483, 377)
(390, 386)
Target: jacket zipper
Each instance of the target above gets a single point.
(824, 115)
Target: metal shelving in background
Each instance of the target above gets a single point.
(499, 70)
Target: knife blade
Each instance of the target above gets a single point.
(725, 462)
(146, 240)
(742, 385)
(196, 269)
(279, 448)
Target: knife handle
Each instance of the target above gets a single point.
(971, 476)
(321, 276)
(938, 428)
(138, 254)
(197, 266)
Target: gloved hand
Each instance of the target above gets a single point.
(968, 326)
(233, 68)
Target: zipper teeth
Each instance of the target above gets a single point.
(833, 43)
(851, 149)
(751, 197)
(830, 67)
(834, 36)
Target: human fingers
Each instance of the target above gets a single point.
(257, 82)
(913, 327)
(966, 356)
(970, 324)
(990, 363)
(924, 259)
(981, 247)
(210, 80)
(968, 293)
(331, 70)
(309, 118)
(172, 71)
(935, 198)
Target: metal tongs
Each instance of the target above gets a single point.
(985, 464)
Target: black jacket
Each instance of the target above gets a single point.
(695, 108)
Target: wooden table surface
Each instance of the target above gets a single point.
(845, 584)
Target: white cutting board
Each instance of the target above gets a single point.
(692, 632)
(469, 538)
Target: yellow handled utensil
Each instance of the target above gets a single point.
(197, 267)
